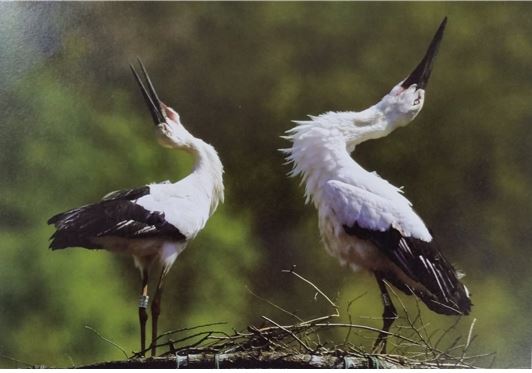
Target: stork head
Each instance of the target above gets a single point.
(170, 132)
(316, 142)
(406, 98)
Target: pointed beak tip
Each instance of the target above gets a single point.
(422, 72)
(441, 28)
(149, 94)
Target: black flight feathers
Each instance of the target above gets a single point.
(116, 215)
(423, 263)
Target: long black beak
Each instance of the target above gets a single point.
(150, 96)
(421, 73)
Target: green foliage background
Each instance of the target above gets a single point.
(74, 127)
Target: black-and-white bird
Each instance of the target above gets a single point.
(155, 222)
(364, 220)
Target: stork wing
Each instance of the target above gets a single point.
(352, 204)
(116, 215)
(127, 194)
(400, 234)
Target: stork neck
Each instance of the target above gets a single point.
(378, 121)
(209, 170)
(322, 147)
(326, 161)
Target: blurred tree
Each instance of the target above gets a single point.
(238, 73)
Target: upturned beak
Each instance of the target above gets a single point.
(150, 96)
(421, 73)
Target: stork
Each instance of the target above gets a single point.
(155, 222)
(364, 220)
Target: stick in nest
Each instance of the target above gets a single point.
(280, 338)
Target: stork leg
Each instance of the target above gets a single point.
(143, 304)
(388, 316)
(156, 309)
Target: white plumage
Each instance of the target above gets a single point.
(365, 221)
(190, 202)
(153, 223)
(344, 192)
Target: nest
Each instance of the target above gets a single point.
(300, 345)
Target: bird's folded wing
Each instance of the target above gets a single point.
(352, 204)
(128, 194)
(134, 220)
(116, 215)
(398, 234)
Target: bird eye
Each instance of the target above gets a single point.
(417, 101)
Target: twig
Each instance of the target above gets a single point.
(172, 342)
(189, 329)
(469, 339)
(468, 342)
(274, 305)
(72, 362)
(369, 328)
(289, 332)
(419, 335)
(479, 356)
(30, 365)
(314, 286)
(346, 339)
(446, 331)
(197, 343)
(493, 360)
(107, 340)
(266, 338)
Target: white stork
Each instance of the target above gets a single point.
(365, 221)
(155, 222)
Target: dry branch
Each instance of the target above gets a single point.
(299, 345)
(277, 360)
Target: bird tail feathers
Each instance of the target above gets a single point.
(457, 302)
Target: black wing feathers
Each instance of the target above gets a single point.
(116, 215)
(423, 263)
(129, 194)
